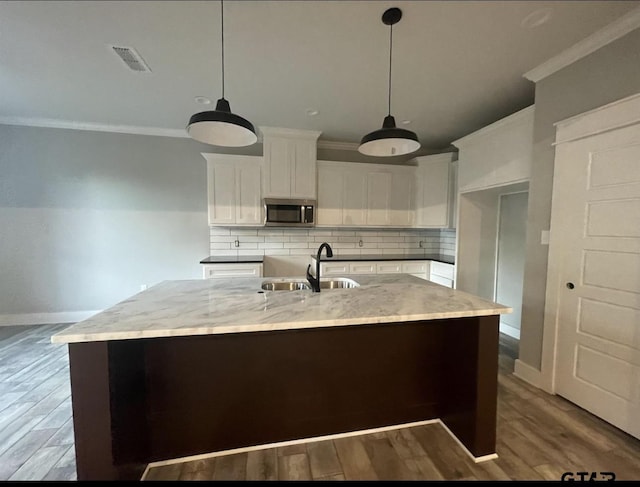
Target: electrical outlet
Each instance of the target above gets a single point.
(544, 237)
(360, 243)
(237, 243)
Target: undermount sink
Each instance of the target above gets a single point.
(285, 285)
(302, 285)
(338, 283)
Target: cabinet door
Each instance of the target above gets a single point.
(223, 271)
(221, 192)
(278, 154)
(334, 269)
(453, 194)
(362, 268)
(248, 201)
(303, 169)
(354, 187)
(434, 187)
(378, 198)
(402, 197)
(330, 194)
(392, 267)
(419, 269)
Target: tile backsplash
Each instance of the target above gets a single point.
(295, 241)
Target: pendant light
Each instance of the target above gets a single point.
(222, 127)
(389, 140)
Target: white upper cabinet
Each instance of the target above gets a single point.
(379, 198)
(403, 196)
(435, 195)
(355, 197)
(358, 195)
(289, 169)
(233, 189)
(498, 154)
(330, 194)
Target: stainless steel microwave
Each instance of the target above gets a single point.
(289, 212)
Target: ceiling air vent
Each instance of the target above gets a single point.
(131, 58)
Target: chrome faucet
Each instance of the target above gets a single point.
(315, 281)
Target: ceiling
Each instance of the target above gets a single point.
(457, 66)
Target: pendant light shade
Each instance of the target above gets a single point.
(221, 127)
(389, 140)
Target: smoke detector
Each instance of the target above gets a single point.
(132, 58)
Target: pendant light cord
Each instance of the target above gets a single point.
(390, 50)
(222, 33)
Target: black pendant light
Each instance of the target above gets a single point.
(222, 127)
(389, 140)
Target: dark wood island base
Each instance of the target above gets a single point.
(145, 400)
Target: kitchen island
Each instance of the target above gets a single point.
(192, 367)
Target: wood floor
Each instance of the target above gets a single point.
(539, 436)
(36, 431)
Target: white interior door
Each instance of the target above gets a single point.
(595, 256)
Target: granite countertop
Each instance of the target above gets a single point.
(235, 305)
(233, 259)
(384, 257)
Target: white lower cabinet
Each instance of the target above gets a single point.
(221, 271)
(362, 268)
(416, 268)
(389, 267)
(442, 273)
(430, 270)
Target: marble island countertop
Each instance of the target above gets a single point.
(216, 306)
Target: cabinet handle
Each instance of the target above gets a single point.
(570, 285)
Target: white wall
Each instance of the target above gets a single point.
(88, 217)
(512, 232)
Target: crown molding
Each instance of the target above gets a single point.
(616, 29)
(94, 127)
(524, 115)
(336, 145)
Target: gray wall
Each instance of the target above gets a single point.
(609, 74)
(87, 217)
(512, 229)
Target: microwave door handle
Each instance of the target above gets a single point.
(303, 215)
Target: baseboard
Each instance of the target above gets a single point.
(528, 374)
(45, 318)
(314, 439)
(509, 330)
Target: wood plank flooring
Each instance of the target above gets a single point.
(36, 430)
(539, 436)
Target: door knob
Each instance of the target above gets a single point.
(570, 285)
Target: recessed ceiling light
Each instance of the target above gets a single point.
(406, 122)
(536, 18)
(312, 112)
(203, 100)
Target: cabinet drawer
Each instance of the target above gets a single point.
(442, 270)
(441, 280)
(219, 271)
(415, 268)
(389, 267)
(362, 268)
(334, 269)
